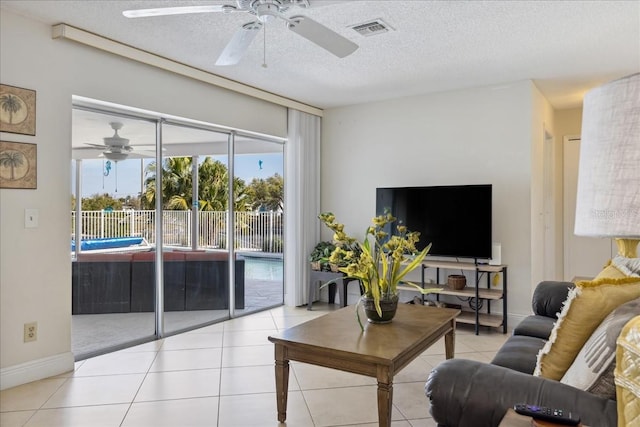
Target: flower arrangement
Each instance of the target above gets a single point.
(380, 262)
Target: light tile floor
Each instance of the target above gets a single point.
(223, 375)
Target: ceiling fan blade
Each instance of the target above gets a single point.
(181, 10)
(324, 37)
(239, 44)
(144, 153)
(97, 147)
(145, 149)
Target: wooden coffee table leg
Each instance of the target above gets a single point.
(450, 341)
(385, 396)
(282, 382)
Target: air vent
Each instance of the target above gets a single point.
(372, 28)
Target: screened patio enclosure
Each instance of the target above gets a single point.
(162, 250)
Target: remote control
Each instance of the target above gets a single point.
(553, 415)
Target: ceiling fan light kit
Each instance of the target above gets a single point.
(116, 141)
(266, 11)
(117, 148)
(114, 156)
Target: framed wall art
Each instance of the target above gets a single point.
(17, 110)
(18, 165)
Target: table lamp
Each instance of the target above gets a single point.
(608, 197)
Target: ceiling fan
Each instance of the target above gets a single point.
(118, 148)
(266, 11)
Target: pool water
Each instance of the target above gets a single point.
(263, 268)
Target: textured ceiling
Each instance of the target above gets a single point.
(565, 47)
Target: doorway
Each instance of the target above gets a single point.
(583, 256)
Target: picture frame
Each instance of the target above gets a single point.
(18, 165)
(17, 110)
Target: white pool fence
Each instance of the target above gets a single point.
(254, 231)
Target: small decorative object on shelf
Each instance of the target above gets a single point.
(379, 262)
(457, 281)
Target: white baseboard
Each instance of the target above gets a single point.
(36, 370)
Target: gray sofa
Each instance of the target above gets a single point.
(466, 393)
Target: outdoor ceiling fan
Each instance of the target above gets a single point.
(118, 148)
(266, 11)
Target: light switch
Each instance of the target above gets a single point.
(30, 218)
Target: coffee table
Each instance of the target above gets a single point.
(381, 351)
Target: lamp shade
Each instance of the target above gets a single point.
(608, 197)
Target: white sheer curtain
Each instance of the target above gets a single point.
(302, 202)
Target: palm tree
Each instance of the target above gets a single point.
(11, 104)
(175, 187)
(11, 159)
(213, 188)
(177, 183)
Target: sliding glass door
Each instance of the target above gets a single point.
(112, 232)
(195, 187)
(172, 242)
(259, 188)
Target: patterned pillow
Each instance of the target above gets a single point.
(627, 266)
(585, 308)
(592, 370)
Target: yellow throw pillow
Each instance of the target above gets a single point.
(585, 308)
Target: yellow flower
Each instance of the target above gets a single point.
(380, 221)
(380, 262)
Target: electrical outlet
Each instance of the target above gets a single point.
(30, 331)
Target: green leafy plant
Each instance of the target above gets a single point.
(321, 254)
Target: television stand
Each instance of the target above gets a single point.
(480, 294)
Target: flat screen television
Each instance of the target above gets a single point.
(455, 219)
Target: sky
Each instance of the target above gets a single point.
(124, 177)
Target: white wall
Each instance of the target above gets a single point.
(476, 136)
(35, 267)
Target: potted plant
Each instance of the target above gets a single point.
(380, 262)
(319, 257)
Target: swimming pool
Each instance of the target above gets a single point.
(259, 268)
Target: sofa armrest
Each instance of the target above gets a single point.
(549, 296)
(466, 393)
